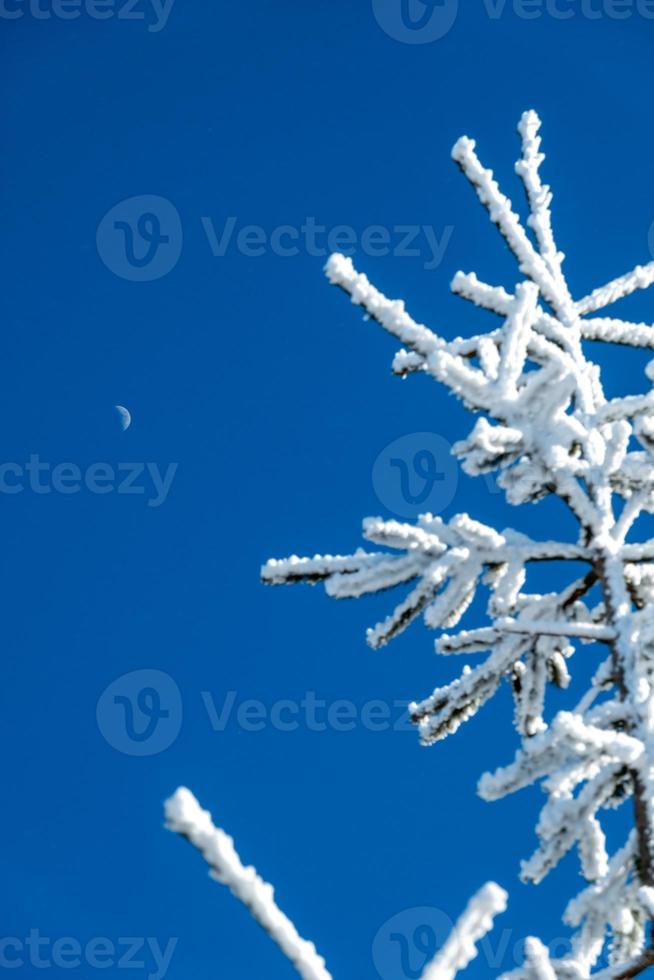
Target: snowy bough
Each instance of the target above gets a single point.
(544, 427)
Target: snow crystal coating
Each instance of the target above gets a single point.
(476, 921)
(544, 427)
(185, 816)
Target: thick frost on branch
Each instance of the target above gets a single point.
(639, 278)
(185, 816)
(544, 426)
(460, 947)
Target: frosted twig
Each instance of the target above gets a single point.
(544, 427)
(639, 278)
(460, 947)
(185, 816)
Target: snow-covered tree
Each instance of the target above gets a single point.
(544, 427)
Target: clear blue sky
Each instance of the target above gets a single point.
(274, 399)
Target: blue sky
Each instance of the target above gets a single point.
(271, 399)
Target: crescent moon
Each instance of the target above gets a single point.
(125, 417)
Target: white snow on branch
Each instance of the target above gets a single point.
(391, 314)
(545, 427)
(499, 207)
(539, 195)
(460, 947)
(537, 965)
(587, 631)
(639, 278)
(185, 816)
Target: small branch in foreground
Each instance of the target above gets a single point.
(185, 816)
(476, 921)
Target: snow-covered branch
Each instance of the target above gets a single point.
(460, 948)
(185, 816)
(545, 427)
